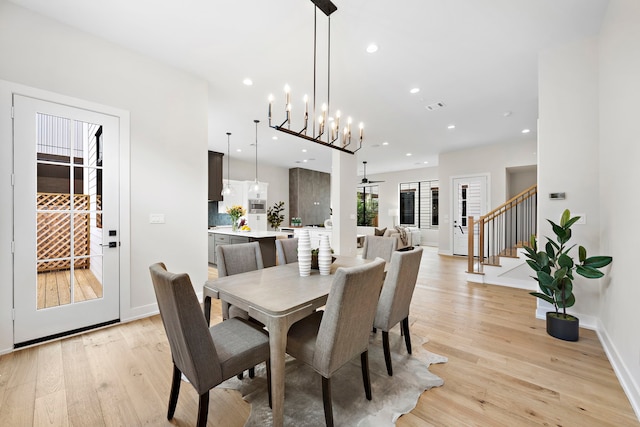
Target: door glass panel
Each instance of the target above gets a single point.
(68, 205)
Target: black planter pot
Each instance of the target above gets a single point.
(563, 328)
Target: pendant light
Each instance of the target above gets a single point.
(255, 187)
(227, 190)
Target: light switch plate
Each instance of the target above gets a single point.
(156, 218)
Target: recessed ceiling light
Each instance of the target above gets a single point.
(304, 161)
(304, 150)
(409, 154)
(506, 114)
(526, 130)
(451, 127)
(275, 138)
(372, 48)
(239, 150)
(415, 90)
(385, 143)
(247, 82)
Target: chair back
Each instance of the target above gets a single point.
(379, 246)
(348, 316)
(287, 250)
(192, 347)
(239, 258)
(398, 287)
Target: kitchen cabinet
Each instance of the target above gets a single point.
(267, 241)
(309, 195)
(212, 248)
(215, 176)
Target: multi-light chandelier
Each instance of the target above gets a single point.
(328, 128)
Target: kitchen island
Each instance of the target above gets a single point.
(225, 236)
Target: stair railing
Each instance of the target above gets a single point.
(501, 231)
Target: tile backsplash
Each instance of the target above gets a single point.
(216, 218)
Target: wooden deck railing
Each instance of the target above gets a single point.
(501, 231)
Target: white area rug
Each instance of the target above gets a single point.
(392, 396)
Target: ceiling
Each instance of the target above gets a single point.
(477, 57)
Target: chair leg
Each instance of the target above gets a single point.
(268, 364)
(252, 372)
(240, 375)
(407, 337)
(203, 409)
(326, 400)
(175, 390)
(387, 352)
(364, 362)
(374, 330)
(207, 309)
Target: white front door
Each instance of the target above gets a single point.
(66, 224)
(469, 199)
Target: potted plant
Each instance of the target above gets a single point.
(555, 269)
(235, 212)
(274, 217)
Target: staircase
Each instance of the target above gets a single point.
(498, 238)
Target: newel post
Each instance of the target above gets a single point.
(470, 230)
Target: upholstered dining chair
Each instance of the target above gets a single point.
(207, 356)
(395, 298)
(233, 259)
(328, 340)
(378, 246)
(287, 250)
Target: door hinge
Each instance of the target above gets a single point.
(13, 247)
(13, 314)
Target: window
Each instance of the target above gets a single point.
(367, 206)
(419, 204)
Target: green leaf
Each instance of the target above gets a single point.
(549, 249)
(565, 217)
(560, 274)
(569, 302)
(542, 259)
(565, 261)
(558, 231)
(582, 253)
(597, 261)
(544, 297)
(570, 222)
(589, 272)
(545, 279)
(534, 266)
(533, 243)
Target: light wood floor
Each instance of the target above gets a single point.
(54, 287)
(503, 369)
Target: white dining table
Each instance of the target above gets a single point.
(278, 297)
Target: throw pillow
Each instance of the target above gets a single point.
(377, 232)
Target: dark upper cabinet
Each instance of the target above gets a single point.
(215, 176)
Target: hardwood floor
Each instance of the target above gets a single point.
(503, 369)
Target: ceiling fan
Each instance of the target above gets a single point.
(364, 177)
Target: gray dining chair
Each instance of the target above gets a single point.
(207, 356)
(395, 298)
(378, 246)
(287, 250)
(233, 259)
(328, 340)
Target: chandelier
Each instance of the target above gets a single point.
(328, 128)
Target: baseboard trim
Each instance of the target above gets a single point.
(630, 387)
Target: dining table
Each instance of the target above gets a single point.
(278, 297)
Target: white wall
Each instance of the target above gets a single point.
(568, 153)
(168, 145)
(619, 150)
(493, 160)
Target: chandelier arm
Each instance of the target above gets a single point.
(328, 70)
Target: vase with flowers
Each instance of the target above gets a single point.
(235, 212)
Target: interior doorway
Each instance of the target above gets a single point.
(469, 199)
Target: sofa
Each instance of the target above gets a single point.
(393, 232)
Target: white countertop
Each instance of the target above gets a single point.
(252, 234)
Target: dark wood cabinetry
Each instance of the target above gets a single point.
(215, 176)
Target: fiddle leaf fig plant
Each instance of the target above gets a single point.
(555, 267)
(274, 215)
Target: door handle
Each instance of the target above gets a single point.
(110, 245)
